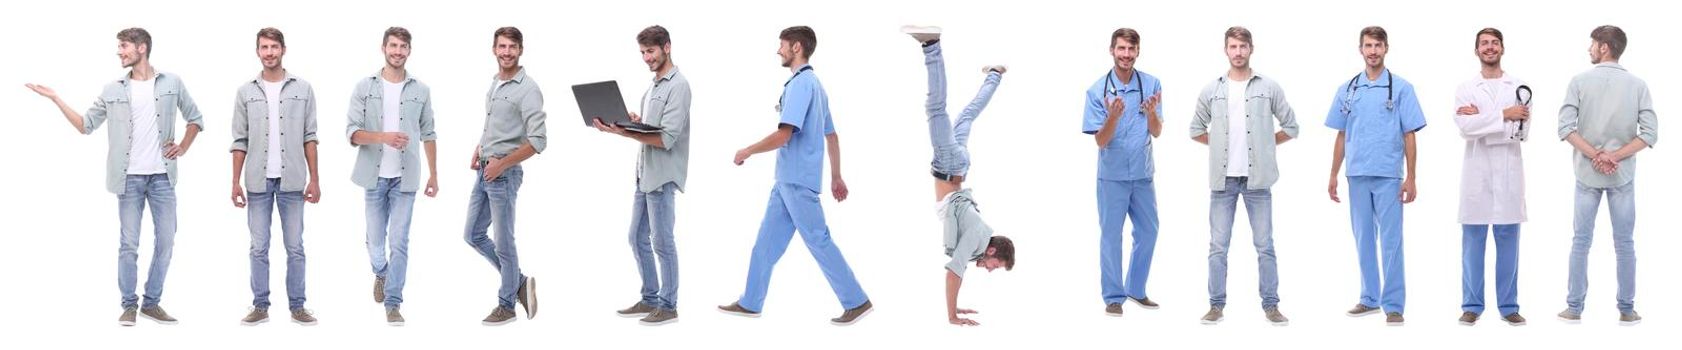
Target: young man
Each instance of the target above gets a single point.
(1235, 116)
(140, 162)
(1123, 115)
(967, 238)
(514, 132)
(1376, 115)
(1492, 112)
(662, 167)
(274, 146)
(388, 109)
(803, 132)
(1607, 118)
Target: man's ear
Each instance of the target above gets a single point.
(992, 251)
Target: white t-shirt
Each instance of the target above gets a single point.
(1238, 141)
(145, 152)
(391, 161)
(271, 92)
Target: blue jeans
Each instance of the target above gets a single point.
(1375, 212)
(951, 140)
(794, 207)
(492, 202)
(260, 208)
(1222, 207)
(1620, 201)
(389, 211)
(652, 217)
(1506, 267)
(137, 191)
(1119, 200)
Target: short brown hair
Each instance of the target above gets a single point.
(1613, 37)
(513, 34)
(1377, 33)
(802, 35)
(272, 34)
(1490, 32)
(1132, 36)
(396, 32)
(138, 37)
(654, 36)
(1240, 33)
(1003, 250)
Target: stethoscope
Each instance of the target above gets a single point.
(1523, 97)
(1350, 98)
(1110, 88)
(785, 86)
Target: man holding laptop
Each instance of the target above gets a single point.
(662, 166)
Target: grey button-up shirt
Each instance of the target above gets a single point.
(1264, 102)
(513, 116)
(367, 113)
(169, 94)
(297, 127)
(1608, 107)
(668, 108)
(966, 236)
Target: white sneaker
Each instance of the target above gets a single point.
(994, 68)
(922, 34)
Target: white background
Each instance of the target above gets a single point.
(1033, 173)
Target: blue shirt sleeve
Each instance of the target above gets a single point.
(1095, 113)
(1407, 109)
(797, 102)
(1335, 118)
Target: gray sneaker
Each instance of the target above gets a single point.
(1362, 310)
(641, 309)
(1146, 303)
(852, 315)
(127, 319)
(1571, 316)
(1468, 318)
(1276, 318)
(256, 317)
(1393, 319)
(379, 289)
(393, 317)
(1113, 309)
(528, 296)
(1214, 316)
(156, 314)
(1513, 319)
(659, 317)
(303, 317)
(738, 310)
(499, 316)
(1629, 318)
(994, 68)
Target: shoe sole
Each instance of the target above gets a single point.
(1368, 313)
(661, 323)
(1280, 324)
(1112, 314)
(1147, 307)
(855, 319)
(305, 324)
(1515, 324)
(1213, 322)
(490, 323)
(253, 323)
(126, 323)
(739, 313)
(635, 315)
(1468, 324)
(154, 319)
(919, 30)
(1629, 323)
(1570, 321)
(394, 324)
(531, 297)
(1394, 324)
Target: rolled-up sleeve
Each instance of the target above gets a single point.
(1647, 122)
(674, 118)
(531, 110)
(240, 120)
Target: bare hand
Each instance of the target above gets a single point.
(493, 169)
(396, 140)
(635, 118)
(742, 156)
(312, 193)
(962, 321)
(1409, 192)
(1115, 107)
(1606, 162)
(1467, 110)
(611, 129)
(966, 311)
(238, 197)
(1331, 189)
(1149, 107)
(43, 90)
(838, 188)
(432, 187)
(1516, 113)
(173, 150)
(475, 165)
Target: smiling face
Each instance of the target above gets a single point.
(655, 56)
(1125, 53)
(1490, 49)
(270, 53)
(396, 52)
(787, 50)
(507, 52)
(130, 53)
(1373, 50)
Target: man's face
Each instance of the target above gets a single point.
(655, 56)
(1238, 53)
(129, 53)
(1595, 49)
(1373, 51)
(396, 52)
(507, 52)
(270, 52)
(989, 263)
(786, 52)
(1490, 49)
(1125, 53)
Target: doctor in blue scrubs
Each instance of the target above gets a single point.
(1123, 116)
(1376, 114)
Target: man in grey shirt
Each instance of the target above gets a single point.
(387, 110)
(140, 162)
(966, 237)
(1607, 117)
(662, 167)
(274, 145)
(1235, 116)
(514, 132)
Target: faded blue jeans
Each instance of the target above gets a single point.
(491, 203)
(138, 190)
(1223, 205)
(1620, 202)
(389, 211)
(652, 217)
(951, 140)
(260, 208)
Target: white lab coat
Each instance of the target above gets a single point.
(1492, 175)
